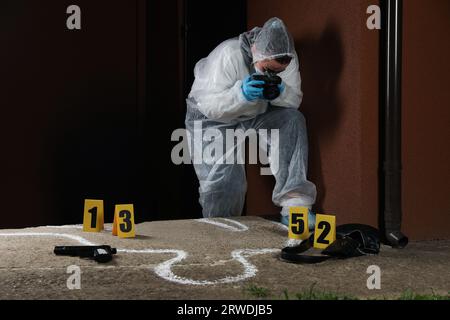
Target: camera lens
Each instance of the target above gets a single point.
(271, 92)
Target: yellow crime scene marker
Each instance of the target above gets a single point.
(123, 225)
(93, 217)
(325, 231)
(298, 223)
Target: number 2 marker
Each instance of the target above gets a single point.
(325, 232)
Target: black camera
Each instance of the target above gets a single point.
(270, 85)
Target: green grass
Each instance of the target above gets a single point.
(323, 296)
(257, 292)
(409, 295)
(314, 294)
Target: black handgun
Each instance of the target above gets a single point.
(100, 254)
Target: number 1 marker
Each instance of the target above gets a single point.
(93, 218)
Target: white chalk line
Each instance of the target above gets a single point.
(64, 268)
(240, 227)
(164, 269)
(74, 226)
(289, 242)
(280, 225)
(292, 242)
(49, 234)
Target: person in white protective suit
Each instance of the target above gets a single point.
(224, 96)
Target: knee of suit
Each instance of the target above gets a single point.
(293, 116)
(222, 203)
(227, 181)
(227, 187)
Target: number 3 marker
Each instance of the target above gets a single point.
(325, 232)
(93, 217)
(123, 225)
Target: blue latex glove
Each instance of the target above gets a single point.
(250, 91)
(281, 87)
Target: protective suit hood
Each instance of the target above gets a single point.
(271, 41)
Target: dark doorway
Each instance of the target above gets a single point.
(203, 31)
(180, 34)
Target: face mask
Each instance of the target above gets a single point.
(258, 70)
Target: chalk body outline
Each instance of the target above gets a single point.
(164, 269)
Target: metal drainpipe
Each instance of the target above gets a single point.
(390, 129)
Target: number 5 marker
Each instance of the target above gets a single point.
(123, 225)
(298, 223)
